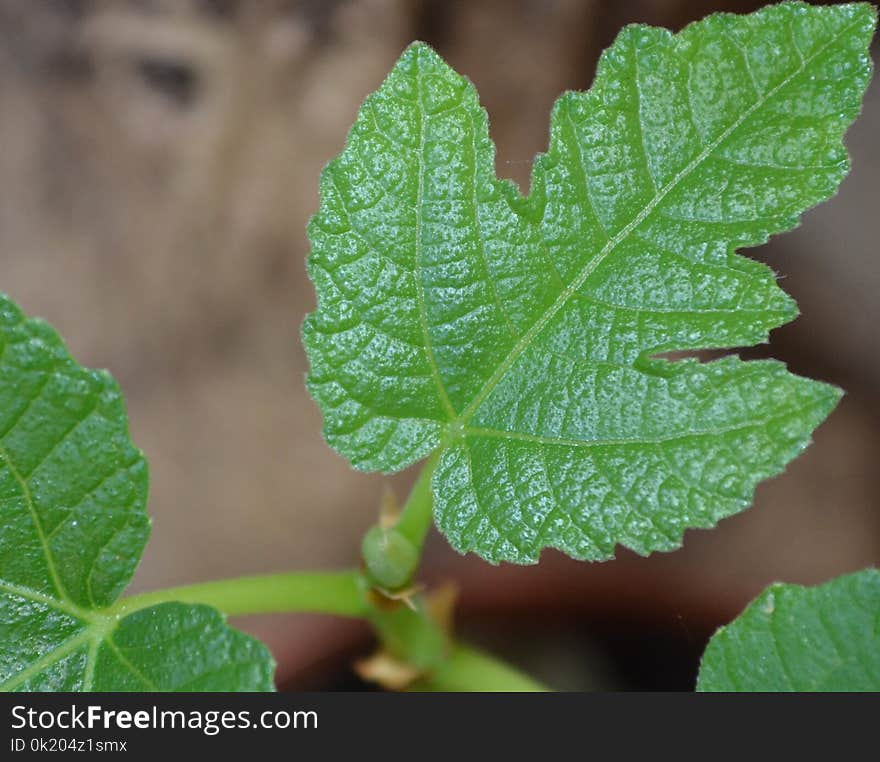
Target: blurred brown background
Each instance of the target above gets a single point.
(158, 162)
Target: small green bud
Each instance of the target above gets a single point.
(391, 559)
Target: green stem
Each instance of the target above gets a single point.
(337, 593)
(412, 635)
(417, 515)
(470, 669)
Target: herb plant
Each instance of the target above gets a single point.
(515, 342)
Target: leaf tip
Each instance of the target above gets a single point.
(421, 53)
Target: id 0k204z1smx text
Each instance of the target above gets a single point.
(65, 744)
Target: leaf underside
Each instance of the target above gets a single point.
(72, 529)
(519, 335)
(794, 638)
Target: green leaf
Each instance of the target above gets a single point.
(519, 335)
(72, 530)
(794, 638)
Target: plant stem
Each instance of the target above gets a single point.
(470, 669)
(337, 593)
(417, 516)
(410, 635)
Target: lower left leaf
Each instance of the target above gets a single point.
(73, 526)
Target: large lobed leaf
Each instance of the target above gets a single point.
(518, 334)
(72, 530)
(794, 638)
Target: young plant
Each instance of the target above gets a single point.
(515, 342)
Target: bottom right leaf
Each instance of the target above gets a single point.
(795, 638)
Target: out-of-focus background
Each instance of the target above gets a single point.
(158, 162)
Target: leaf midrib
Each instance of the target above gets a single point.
(97, 628)
(24, 486)
(420, 289)
(525, 341)
(64, 606)
(65, 648)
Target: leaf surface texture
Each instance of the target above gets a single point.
(795, 638)
(73, 491)
(520, 334)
